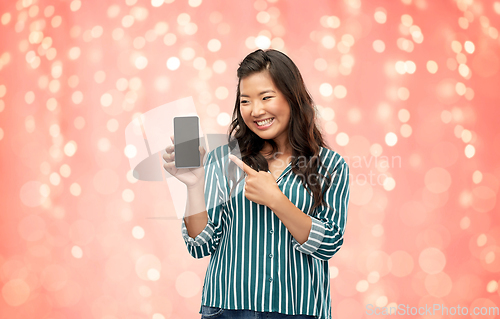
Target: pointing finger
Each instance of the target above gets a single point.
(247, 169)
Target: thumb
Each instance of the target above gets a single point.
(202, 152)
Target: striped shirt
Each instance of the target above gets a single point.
(255, 262)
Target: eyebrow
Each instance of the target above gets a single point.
(263, 92)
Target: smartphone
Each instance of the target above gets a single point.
(186, 142)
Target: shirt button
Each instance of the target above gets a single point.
(271, 231)
(270, 255)
(270, 279)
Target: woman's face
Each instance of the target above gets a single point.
(260, 101)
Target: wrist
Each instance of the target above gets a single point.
(199, 185)
(277, 200)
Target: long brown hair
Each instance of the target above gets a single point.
(303, 134)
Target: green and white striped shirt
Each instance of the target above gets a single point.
(255, 262)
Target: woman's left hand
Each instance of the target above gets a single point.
(260, 187)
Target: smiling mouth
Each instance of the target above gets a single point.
(264, 122)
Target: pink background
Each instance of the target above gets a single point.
(407, 91)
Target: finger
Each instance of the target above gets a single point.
(172, 138)
(247, 169)
(169, 149)
(169, 167)
(168, 157)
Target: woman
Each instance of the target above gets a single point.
(270, 236)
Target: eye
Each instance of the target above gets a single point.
(268, 97)
(243, 101)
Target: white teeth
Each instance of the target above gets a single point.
(266, 121)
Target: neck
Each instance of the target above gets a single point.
(282, 149)
(284, 146)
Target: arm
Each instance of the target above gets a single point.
(202, 225)
(196, 216)
(297, 223)
(320, 236)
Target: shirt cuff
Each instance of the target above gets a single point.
(314, 240)
(203, 238)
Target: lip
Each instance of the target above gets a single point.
(266, 126)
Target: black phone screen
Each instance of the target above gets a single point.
(187, 142)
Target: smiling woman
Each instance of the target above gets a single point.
(270, 86)
(270, 237)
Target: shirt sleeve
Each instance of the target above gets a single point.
(327, 229)
(208, 240)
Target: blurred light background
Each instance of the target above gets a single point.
(407, 91)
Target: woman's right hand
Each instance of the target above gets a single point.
(190, 176)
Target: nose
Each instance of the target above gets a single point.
(257, 109)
